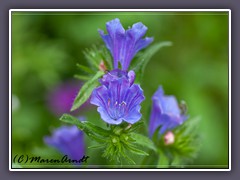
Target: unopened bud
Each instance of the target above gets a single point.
(169, 138)
(114, 140)
(102, 66)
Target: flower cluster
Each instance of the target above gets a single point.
(118, 98)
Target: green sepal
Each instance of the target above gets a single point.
(82, 77)
(163, 161)
(86, 90)
(96, 129)
(96, 54)
(129, 160)
(135, 126)
(96, 146)
(94, 132)
(186, 143)
(155, 136)
(143, 141)
(135, 150)
(85, 69)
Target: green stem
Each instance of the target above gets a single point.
(163, 161)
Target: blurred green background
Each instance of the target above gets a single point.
(46, 47)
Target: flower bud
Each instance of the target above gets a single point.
(102, 66)
(169, 138)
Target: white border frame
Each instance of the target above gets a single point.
(118, 10)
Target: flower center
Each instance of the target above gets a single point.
(116, 110)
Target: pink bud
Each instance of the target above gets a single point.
(102, 66)
(169, 138)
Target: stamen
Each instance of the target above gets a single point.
(124, 103)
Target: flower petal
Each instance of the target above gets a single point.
(105, 116)
(69, 140)
(154, 122)
(131, 76)
(134, 115)
(135, 96)
(99, 96)
(107, 40)
(142, 43)
(137, 31)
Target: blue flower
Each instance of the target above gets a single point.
(69, 140)
(118, 99)
(165, 112)
(122, 44)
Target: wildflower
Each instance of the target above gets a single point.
(122, 44)
(61, 98)
(118, 100)
(69, 140)
(165, 112)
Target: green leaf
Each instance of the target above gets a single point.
(177, 162)
(96, 146)
(72, 120)
(143, 141)
(85, 69)
(82, 126)
(107, 57)
(86, 90)
(191, 125)
(81, 77)
(140, 63)
(96, 54)
(186, 144)
(135, 150)
(95, 137)
(92, 57)
(96, 129)
(163, 161)
(130, 161)
(135, 126)
(155, 136)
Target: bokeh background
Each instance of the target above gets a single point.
(47, 46)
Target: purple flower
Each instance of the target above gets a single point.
(165, 112)
(61, 98)
(69, 140)
(118, 99)
(122, 44)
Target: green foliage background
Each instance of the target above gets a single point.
(47, 46)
